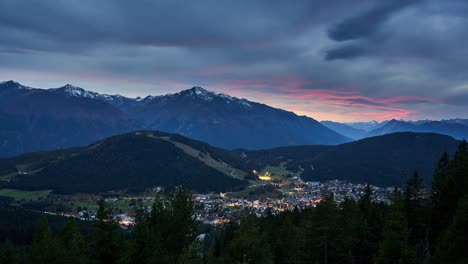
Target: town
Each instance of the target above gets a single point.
(214, 209)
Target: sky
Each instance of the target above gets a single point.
(331, 60)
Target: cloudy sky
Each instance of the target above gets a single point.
(336, 60)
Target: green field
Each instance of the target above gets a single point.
(92, 205)
(21, 194)
(278, 172)
(256, 192)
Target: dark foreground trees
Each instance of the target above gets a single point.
(418, 226)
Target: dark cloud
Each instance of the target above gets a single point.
(159, 23)
(345, 52)
(368, 22)
(377, 49)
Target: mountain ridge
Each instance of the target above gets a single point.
(457, 129)
(216, 118)
(133, 161)
(145, 159)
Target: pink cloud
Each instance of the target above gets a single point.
(341, 104)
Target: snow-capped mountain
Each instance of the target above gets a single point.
(227, 121)
(74, 91)
(12, 85)
(366, 126)
(218, 119)
(36, 119)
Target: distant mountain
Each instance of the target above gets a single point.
(367, 126)
(345, 129)
(394, 126)
(43, 119)
(133, 162)
(456, 121)
(384, 160)
(457, 130)
(36, 119)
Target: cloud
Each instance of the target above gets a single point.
(269, 51)
(345, 52)
(368, 22)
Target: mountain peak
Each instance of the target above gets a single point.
(9, 82)
(72, 90)
(12, 85)
(69, 86)
(199, 90)
(75, 91)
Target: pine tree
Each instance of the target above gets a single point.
(348, 225)
(145, 243)
(167, 233)
(107, 242)
(249, 244)
(8, 253)
(370, 226)
(284, 237)
(395, 247)
(193, 254)
(439, 175)
(182, 223)
(365, 201)
(451, 183)
(73, 243)
(440, 183)
(44, 248)
(321, 231)
(453, 245)
(140, 234)
(417, 208)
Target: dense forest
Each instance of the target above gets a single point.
(420, 225)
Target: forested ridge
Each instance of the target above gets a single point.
(420, 225)
(136, 161)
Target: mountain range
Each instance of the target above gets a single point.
(145, 159)
(457, 128)
(43, 119)
(36, 119)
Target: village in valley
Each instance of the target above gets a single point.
(218, 208)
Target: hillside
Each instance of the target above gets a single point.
(144, 159)
(132, 162)
(384, 160)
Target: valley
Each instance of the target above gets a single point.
(130, 170)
